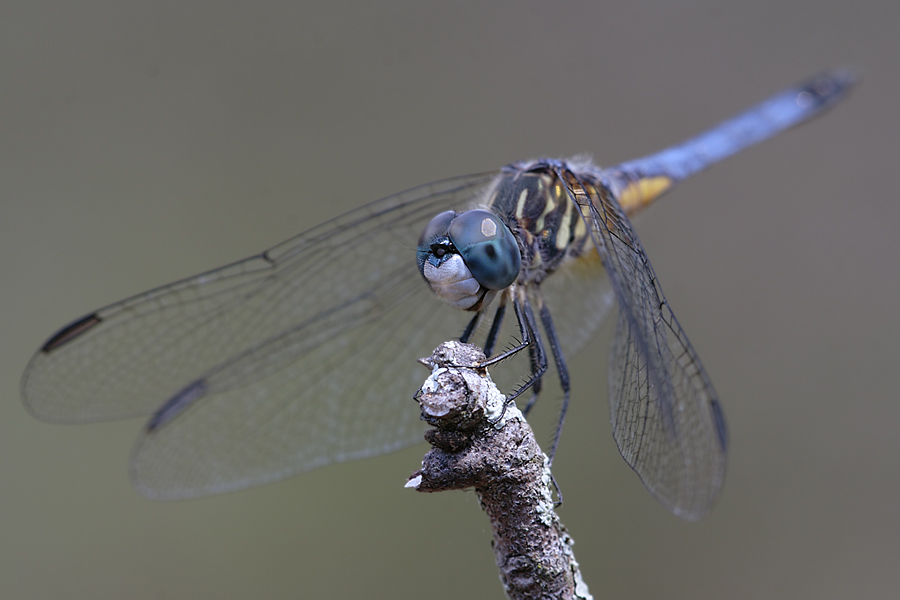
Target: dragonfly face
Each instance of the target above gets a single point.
(465, 256)
(304, 355)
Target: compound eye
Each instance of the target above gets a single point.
(435, 230)
(487, 246)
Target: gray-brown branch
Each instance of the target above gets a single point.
(474, 447)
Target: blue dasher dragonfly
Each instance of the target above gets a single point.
(304, 355)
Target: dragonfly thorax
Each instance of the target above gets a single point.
(540, 207)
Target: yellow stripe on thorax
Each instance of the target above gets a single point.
(565, 223)
(549, 206)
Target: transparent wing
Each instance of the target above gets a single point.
(665, 415)
(286, 361)
(580, 297)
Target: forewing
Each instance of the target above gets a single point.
(665, 415)
(280, 363)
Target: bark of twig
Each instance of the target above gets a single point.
(478, 444)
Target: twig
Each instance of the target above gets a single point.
(477, 444)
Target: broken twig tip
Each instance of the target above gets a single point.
(479, 442)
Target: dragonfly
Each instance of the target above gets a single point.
(304, 355)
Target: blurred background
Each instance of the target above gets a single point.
(141, 143)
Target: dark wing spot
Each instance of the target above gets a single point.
(177, 404)
(70, 332)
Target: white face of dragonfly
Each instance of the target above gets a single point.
(452, 281)
(466, 257)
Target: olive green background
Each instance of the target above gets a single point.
(140, 143)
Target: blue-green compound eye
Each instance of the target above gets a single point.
(488, 248)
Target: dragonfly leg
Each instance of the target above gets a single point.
(470, 328)
(530, 337)
(491, 339)
(536, 388)
(495, 330)
(563, 372)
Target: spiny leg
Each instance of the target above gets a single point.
(530, 337)
(536, 388)
(563, 372)
(495, 329)
(491, 339)
(470, 328)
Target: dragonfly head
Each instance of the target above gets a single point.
(465, 256)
